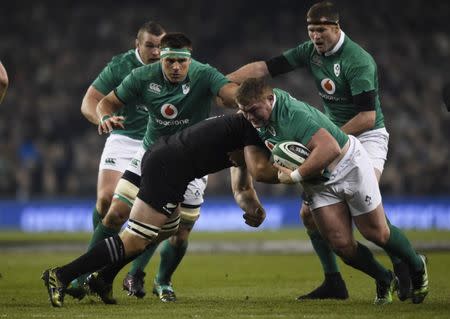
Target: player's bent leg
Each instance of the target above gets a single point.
(333, 286)
(106, 184)
(142, 229)
(172, 252)
(335, 223)
(134, 281)
(111, 224)
(401, 269)
(398, 245)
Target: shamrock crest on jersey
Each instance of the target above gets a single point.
(337, 69)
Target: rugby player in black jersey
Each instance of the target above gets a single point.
(167, 168)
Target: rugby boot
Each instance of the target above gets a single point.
(386, 290)
(134, 284)
(165, 293)
(100, 288)
(76, 291)
(402, 273)
(419, 280)
(333, 287)
(55, 287)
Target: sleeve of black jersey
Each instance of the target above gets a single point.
(364, 101)
(278, 65)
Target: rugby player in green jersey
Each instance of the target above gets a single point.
(3, 82)
(350, 195)
(177, 92)
(347, 81)
(125, 139)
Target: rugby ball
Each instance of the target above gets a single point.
(290, 154)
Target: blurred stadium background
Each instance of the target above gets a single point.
(53, 50)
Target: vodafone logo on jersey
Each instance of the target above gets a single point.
(328, 86)
(169, 111)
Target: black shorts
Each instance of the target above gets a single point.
(164, 179)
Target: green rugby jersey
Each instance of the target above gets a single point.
(349, 71)
(294, 120)
(171, 107)
(135, 114)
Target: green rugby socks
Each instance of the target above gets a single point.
(323, 250)
(141, 262)
(96, 218)
(171, 257)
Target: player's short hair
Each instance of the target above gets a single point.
(252, 89)
(152, 28)
(176, 40)
(323, 13)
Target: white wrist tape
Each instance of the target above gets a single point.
(296, 176)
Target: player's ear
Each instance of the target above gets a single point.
(136, 43)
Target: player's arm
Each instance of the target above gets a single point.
(273, 67)
(245, 196)
(259, 166)
(105, 113)
(256, 69)
(227, 95)
(324, 150)
(365, 119)
(89, 104)
(4, 82)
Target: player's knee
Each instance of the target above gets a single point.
(137, 236)
(117, 215)
(182, 235)
(169, 228)
(377, 236)
(103, 203)
(307, 218)
(343, 247)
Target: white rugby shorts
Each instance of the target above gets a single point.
(375, 143)
(118, 152)
(352, 181)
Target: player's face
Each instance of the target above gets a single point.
(258, 112)
(148, 47)
(175, 69)
(324, 36)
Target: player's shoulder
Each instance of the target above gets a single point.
(355, 53)
(125, 58)
(123, 63)
(147, 72)
(199, 67)
(307, 45)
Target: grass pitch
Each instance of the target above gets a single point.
(220, 286)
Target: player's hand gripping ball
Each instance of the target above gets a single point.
(290, 154)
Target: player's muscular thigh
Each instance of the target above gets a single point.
(307, 218)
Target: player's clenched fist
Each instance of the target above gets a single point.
(255, 216)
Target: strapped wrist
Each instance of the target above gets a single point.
(296, 176)
(104, 118)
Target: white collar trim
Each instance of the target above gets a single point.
(136, 52)
(337, 46)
